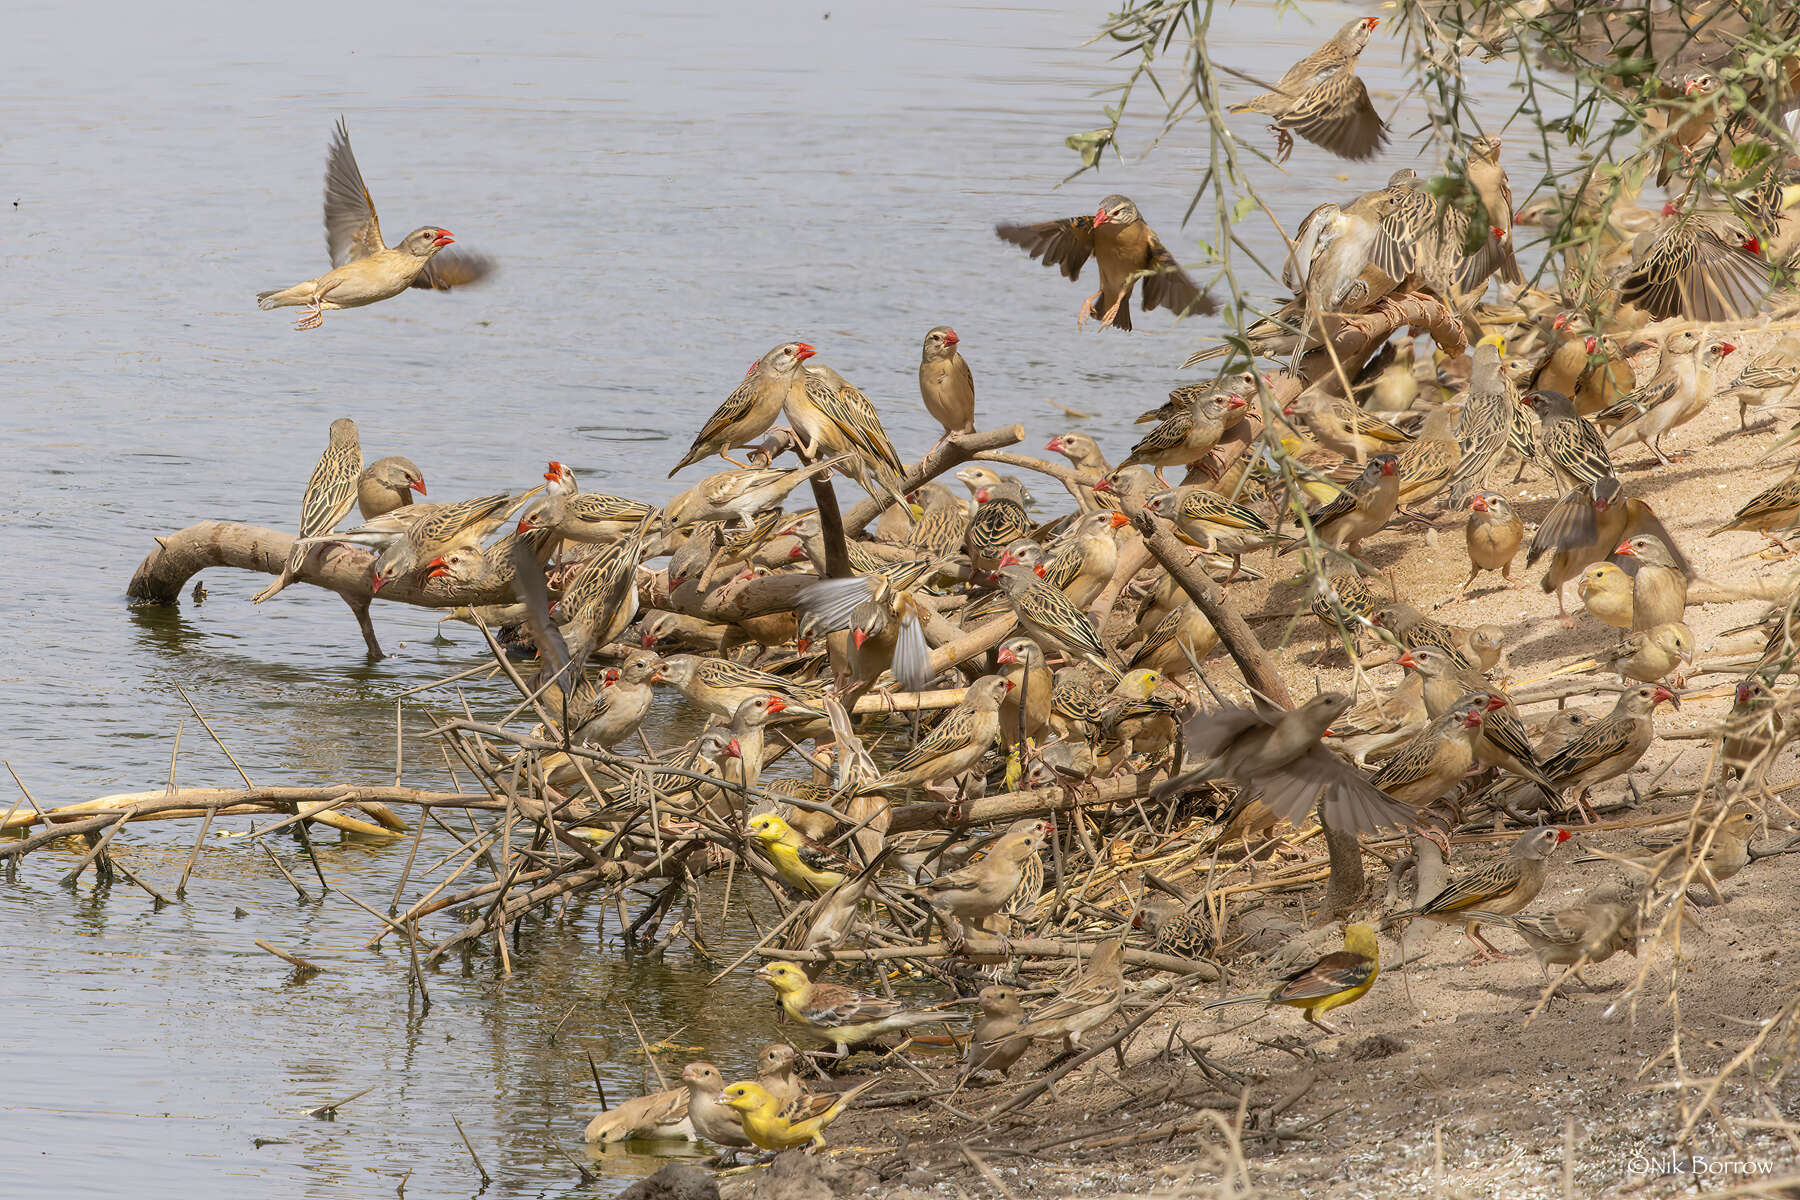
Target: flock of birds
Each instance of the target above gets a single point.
(1069, 662)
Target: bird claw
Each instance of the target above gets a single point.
(1284, 144)
(312, 319)
(1087, 310)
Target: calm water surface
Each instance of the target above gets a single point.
(670, 192)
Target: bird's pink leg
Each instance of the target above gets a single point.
(1087, 310)
(1114, 310)
(311, 318)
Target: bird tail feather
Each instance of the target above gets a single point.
(299, 294)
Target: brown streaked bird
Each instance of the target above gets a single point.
(1363, 507)
(1322, 99)
(1051, 618)
(330, 491)
(1501, 887)
(1659, 589)
(1493, 533)
(1584, 527)
(752, 406)
(1769, 512)
(1000, 520)
(1605, 592)
(719, 685)
(1699, 267)
(735, 497)
(1650, 655)
(1753, 728)
(386, 484)
(1088, 999)
(981, 889)
(1208, 520)
(955, 744)
(1277, 758)
(1186, 437)
(833, 417)
(1125, 249)
(1412, 628)
(365, 269)
(1604, 923)
(408, 538)
(1488, 178)
(1166, 648)
(945, 383)
(1428, 462)
(1428, 768)
(1485, 426)
(1083, 560)
(943, 526)
(1569, 443)
(1446, 680)
(592, 517)
(1610, 746)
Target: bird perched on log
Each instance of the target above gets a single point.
(1322, 99)
(981, 889)
(955, 744)
(1188, 436)
(1339, 978)
(736, 497)
(752, 406)
(1125, 249)
(1051, 618)
(1208, 520)
(386, 484)
(946, 384)
(831, 416)
(364, 269)
(719, 685)
(1502, 887)
(330, 491)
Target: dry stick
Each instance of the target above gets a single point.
(479, 1169)
(952, 452)
(651, 1058)
(285, 872)
(293, 960)
(132, 875)
(766, 939)
(594, 1070)
(217, 740)
(327, 1111)
(477, 669)
(194, 854)
(982, 944)
(69, 880)
(175, 752)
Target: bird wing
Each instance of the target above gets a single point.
(1168, 286)
(1578, 449)
(1492, 882)
(1412, 763)
(1064, 244)
(1337, 972)
(1592, 746)
(331, 491)
(352, 230)
(1690, 271)
(1337, 115)
(449, 269)
(831, 1006)
(1349, 801)
(1203, 505)
(1568, 525)
(1781, 499)
(1169, 435)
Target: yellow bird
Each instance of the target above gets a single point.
(1335, 980)
(802, 862)
(773, 1128)
(837, 1015)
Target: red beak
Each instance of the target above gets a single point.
(981, 496)
(1389, 467)
(1038, 570)
(1561, 323)
(777, 704)
(1743, 693)
(859, 636)
(376, 583)
(1753, 245)
(733, 749)
(950, 338)
(1496, 702)
(1407, 660)
(797, 552)
(1006, 656)
(804, 352)
(1662, 693)
(1727, 348)
(1105, 485)
(1010, 685)
(1287, 410)
(436, 567)
(1100, 217)
(1236, 402)
(1591, 344)
(1563, 835)
(1473, 718)
(418, 485)
(1624, 548)
(553, 472)
(1479, 503)
(1054, 445)
(443, 238)
(524, 525)
(1372, 22)
(647, 640)
(1669, 209)
(1119, 520)
(1007, 559)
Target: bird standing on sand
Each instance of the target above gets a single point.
(1683, 386)
(330, 491)
(1605, 592)
(1125, 249)
(1322, 99)
(1339, 978)
(945, 383)
(1360, 509)
(1770, 512)
(1505, 886)
(1492, 534)
(752, 406)
(1611, 746)
(1659, 589)
(1603, 924)
(364, 269)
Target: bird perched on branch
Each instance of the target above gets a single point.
(982, 888)
(1322, 99)
(330, 491)
(1505, 886)
(752, 406)
(1125, 249)
(736, 497)
(955, 744)
(365, 269)
(386, 484)
(1188, 436)
(840, 1016)
(831, 416)
(1206, 519)
(1339, 978)
(1052, 619)
(946, 384)
(1488, 178)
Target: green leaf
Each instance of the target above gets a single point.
(1746, 155)
(1242, 209)
(1089, 145)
